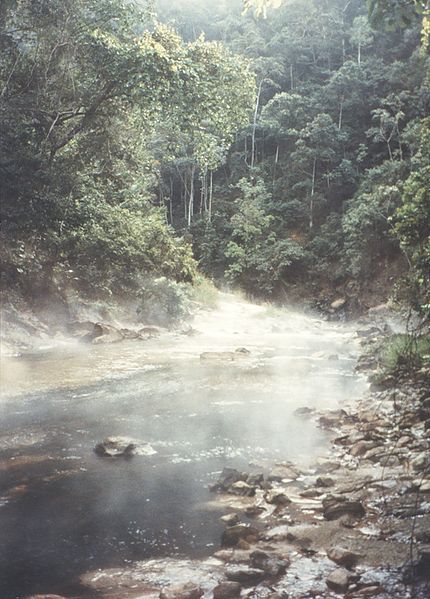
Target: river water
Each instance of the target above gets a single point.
(64, 510)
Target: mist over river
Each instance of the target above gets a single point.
(65, 510)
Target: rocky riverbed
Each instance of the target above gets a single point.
(353, 523)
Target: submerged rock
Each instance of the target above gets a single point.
(122, 447)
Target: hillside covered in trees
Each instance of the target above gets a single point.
(286, 155)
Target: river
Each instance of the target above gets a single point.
(64, 510)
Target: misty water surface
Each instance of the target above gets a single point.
(64, 510)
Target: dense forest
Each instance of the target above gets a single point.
(284, 150)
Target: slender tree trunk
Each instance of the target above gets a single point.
(311, 211)
(210, 195)
(191, 199)
(254, 124)
(274, 165)
(171, 201)
(291, 77)
(341, 113)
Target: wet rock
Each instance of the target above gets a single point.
(343, 557)
(338, 303)
(283, 472)
(242, 489)
(336, 507)
(324, 481)
(122, 447)
(304, 412)
(339, 580)
(361, 447)
(421, 461)
(271, 564)
(245, 575)
(228, 477)
(311, 493)
(252, 511)
(232, 556)
(369, 332)
(423, 485)
(276, 497)
(232, 535)
(230, 519)
(327, 466)
(105, 333)
(182, 591)
(227, 590)
(256, 480)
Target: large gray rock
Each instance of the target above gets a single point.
(277, 497)
(230, 519)
(270, 563)
(242, 488)
(336, 507)
(122, 447)
(339, 580)
(343, 557)
(232, 535)
(228, 477)
(227, 590)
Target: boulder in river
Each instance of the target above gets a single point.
(242, 488)
(270, 563)
(336, 507)
(343, 557)
(227, 589)
(105, 333)
(339, 580)
(232, 535)
(277, 497)
(227, 478)
(230, 519)
(122, 447)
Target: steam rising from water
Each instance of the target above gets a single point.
(199, 415)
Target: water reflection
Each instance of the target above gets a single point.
(72, 511)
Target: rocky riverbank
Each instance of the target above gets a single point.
(355, 524)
